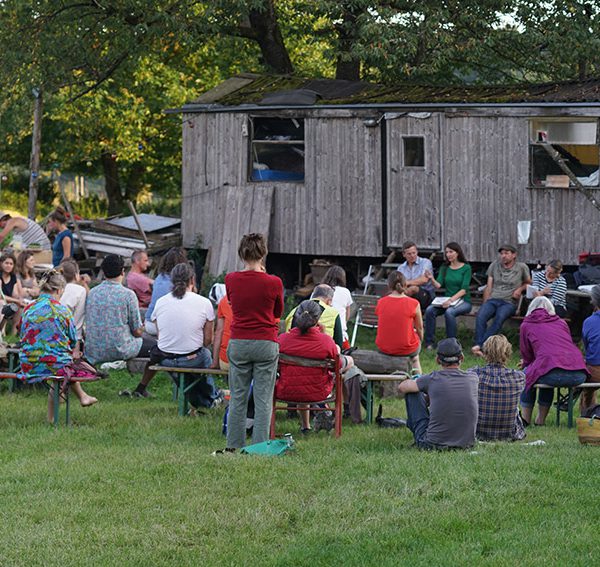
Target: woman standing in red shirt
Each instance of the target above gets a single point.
(400, 326)
(256, 300)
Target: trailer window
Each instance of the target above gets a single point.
(277, 149)
(576, 144)
(414, 151)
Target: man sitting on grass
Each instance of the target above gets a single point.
(113, 324)
(451, 419)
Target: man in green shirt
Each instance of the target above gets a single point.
(507, 279)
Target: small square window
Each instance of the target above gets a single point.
(414, 151)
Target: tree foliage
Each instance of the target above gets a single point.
(108, 69)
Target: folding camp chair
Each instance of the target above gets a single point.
(335, 398)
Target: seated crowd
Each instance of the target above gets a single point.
(62, 319)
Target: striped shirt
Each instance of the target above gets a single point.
(498, 397)
(34, 234)
(558, 288)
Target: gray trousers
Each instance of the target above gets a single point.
(249, 361)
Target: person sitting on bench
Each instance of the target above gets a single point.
(113, 324)
(451, 419)
(330, 319)
(499, 391)
(507, 279)
(48, 337)
(591, 343)
(162, 284)
(552, 284)
(400, 329)
(184, 321)
(548, 356)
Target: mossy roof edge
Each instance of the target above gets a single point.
(334, 92)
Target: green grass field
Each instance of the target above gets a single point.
(131, 483)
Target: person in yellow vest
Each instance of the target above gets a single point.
(330, 319)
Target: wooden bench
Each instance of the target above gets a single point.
(562, 398)
(13, 365)
(182, 399)
(567, 397)
(60, 389)
(401, 376)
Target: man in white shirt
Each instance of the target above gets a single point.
(185, 329)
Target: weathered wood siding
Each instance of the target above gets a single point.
(336, 211)
(486, 191)
(413, 198)
(473, 189)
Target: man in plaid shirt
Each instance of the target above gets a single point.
(499, 391)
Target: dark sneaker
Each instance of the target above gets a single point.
(142, 394)
(125, 393)
(227, 451)
(218, 400)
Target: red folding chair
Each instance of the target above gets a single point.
(335, 399)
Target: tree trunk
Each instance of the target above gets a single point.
(268, 36)
(347, 66)
(36, 148)
(134, 180)
(111, 184)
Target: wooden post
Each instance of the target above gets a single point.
(75, 223)
(138, 223)
(34, 163)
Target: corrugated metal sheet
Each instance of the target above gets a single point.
(150, 223)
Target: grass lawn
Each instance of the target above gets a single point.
(133, 484)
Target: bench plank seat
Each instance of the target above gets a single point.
(182, 389)
(58, 392)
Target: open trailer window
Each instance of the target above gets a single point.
(576, 142)
(277, 149)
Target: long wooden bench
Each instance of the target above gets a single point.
(567, 397)
(371, 378)
(60, 389)
(562, 398)
(182, 389)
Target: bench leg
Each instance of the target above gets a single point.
(12, 367)
(67, 408)
(56, 394)
(181, 394)
(570, 403)
(370, 402)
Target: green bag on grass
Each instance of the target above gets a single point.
(272, 448)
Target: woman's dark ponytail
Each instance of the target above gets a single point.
(181, 277)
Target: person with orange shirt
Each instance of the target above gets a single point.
(222, 334)
(400, 327)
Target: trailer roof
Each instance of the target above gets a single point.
(255, 90)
